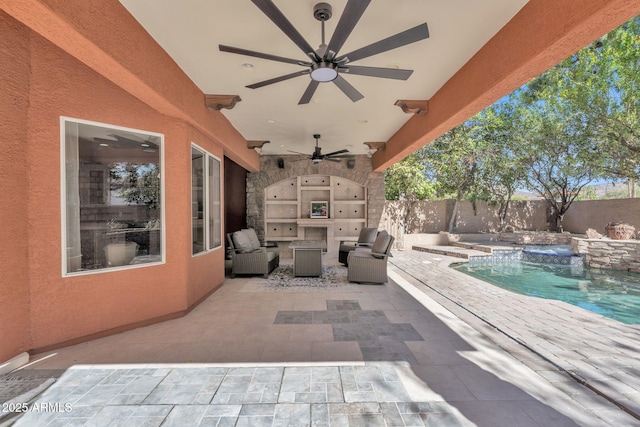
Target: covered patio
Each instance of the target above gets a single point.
(431, 347)
(175, 341)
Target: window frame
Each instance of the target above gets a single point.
(64, 120)
(207, 203)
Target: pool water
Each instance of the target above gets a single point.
(614, 294)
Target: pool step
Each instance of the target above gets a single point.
(453, 251)
(474, 246)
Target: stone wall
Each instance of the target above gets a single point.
(609, 254)
(294, 166)
(535, 238)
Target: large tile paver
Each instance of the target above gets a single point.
(394, 355)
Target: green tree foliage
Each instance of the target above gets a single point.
(141, 185)
(406, 180)
(452, 163)
(554, 151)
(501, 173)
(577, 122)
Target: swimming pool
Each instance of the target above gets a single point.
(614, 294)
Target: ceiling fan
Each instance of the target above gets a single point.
(317, 155)
(326, 65)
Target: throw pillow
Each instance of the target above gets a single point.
(381, 243)
(253, 238)
(242, 243)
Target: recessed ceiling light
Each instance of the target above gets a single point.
(363, 121)
(248, 65)
(272, 121)
(283, 145)
(349, 146)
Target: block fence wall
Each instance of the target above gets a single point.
(424, 217)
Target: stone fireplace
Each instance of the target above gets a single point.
(291, 167)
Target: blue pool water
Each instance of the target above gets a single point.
(614, 294)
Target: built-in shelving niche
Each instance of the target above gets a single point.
(288, 208)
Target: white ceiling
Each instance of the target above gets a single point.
(190, 32)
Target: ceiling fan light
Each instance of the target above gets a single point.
(324, 71)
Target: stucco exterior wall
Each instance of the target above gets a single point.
(522, 215)
(14, 250)
(422, 217)
(39, 83)
(597, 214)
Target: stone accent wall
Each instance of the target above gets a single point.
(295, 166)
(536, 238)
(609, 254)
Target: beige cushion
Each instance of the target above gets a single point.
(242, 242)
(271, 256)
(251, 233)
(382, 243)
(367, 235)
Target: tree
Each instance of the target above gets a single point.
(501, 173)
(138, 184)
(602, 81)
(452, 162)
(556, 152)
(406, 180)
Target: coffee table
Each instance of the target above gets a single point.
(307, 257)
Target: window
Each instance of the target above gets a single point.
(111, 197)
(205, 201)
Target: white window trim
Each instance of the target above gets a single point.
(206, 201)
(63, 200)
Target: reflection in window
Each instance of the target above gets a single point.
(205, 201)
(112, 196)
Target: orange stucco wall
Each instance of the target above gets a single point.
(14, 102)
(40, 308)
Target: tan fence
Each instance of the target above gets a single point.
(425, 217)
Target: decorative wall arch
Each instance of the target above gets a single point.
(294, 166)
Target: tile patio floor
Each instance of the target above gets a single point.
(432, 347)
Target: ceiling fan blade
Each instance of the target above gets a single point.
(350, 16)
(409, 36)
(385, 73)
(348, 90)
(277, 79)
(308, 94)
(246, 52)
(297, 152)
(333, 153)
(330, 159)
(344, 156)
(268, 8)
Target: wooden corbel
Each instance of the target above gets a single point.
(218, 102)
(418, 107)
(374, 147)
(256, 145)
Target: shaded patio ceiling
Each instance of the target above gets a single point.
(476, 53)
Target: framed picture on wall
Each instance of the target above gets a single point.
(319, 209)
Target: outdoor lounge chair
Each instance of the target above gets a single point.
(248, 256)
(370, 265)
(365, 239)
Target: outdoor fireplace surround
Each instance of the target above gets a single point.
(295, 166)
